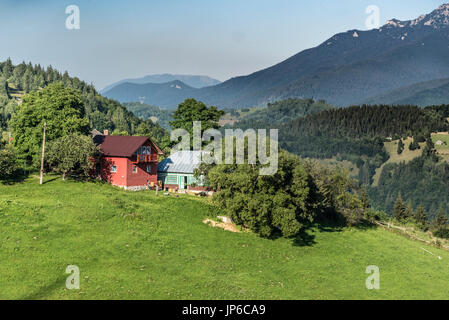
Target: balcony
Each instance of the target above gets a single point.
(145, 158)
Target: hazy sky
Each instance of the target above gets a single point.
(218, 38)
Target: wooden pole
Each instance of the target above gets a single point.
(43, 154)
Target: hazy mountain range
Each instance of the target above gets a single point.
(191, 80)
(403, 61)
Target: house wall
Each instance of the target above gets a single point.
(118, 178)
(173, 180)
(125, 177)
(141, 177)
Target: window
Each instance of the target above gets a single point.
(134, 169)
(149, 168)
(114, 169)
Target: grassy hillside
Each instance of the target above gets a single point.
(134, 245)
(392, 148)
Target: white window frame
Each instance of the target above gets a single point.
(134, 167)
(114, 169)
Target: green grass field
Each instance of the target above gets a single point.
(444, 138)
(135, 245)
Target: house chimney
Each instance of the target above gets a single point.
(106, 132)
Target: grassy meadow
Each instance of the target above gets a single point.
(406, 155)
(136, 245)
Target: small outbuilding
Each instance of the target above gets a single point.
(177, 171)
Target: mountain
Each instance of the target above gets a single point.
(346, 69)
(103, 113)
(434, 92)
(191, 80)
(164, 94)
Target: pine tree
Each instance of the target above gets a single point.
(400, 146)
(440, 221)
(414, 145)
(429, 150)
(399, 209)
(420, 216)
(408, 212)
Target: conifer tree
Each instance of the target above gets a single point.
(440, 221)
(400, 146)
(408, 212)
(399, 209)
(420, 216)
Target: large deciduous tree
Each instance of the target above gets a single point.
(61, 108)
(72, 155)
(264, 203)
(191, 110)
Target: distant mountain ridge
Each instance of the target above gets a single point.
(194, 81)
(347, 69)
(433, 92)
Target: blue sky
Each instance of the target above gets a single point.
(221, 39)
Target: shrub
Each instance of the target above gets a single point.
(442, 233)
(8, 162)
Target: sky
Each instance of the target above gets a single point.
(218, 38)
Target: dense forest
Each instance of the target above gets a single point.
(154, 113)
(315, 129)
(103, 113)
(424, 181)
(280, 112)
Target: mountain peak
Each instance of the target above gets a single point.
(436, 19)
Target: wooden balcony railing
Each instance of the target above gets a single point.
(141, 158)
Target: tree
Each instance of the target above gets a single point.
(440, 221)
(429, 150)
(400, 146)
(264, 203)
(399, 209)
(72, 155)
(408, 213)
(60, 107)
(117, 132)
(191, 110)
(8, 162)
(420, 216)
(414, 145)
(100, 121)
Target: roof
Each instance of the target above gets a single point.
(181, 162)
(95, 132)
(121, 146)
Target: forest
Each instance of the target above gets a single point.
(103, 113)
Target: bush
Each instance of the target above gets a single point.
(375, 215)
(442, 233)
(8, 162)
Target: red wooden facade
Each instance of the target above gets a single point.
(129, 162)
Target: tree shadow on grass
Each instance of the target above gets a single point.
(14, 179)
(45, 292)
(304, 239)
(50, 180)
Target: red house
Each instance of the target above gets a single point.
(128, 162)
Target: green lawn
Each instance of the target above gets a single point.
(134, 245)
(444, 138)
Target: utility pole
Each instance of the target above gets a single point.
(43, 154)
